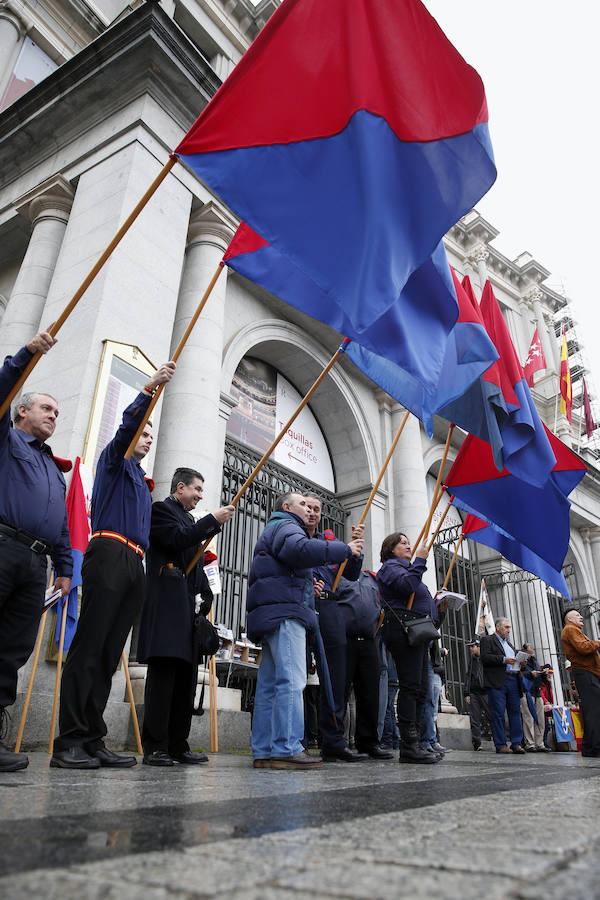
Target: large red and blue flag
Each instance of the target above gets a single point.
(392, 356)
(351, 137)
(526, 449)
(536, 517)
(78, 504)
(515, 552)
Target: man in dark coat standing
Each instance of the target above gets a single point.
(503, 687)
(167, 626)
(475, 693)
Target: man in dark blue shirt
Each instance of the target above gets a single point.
(33, 524)
(113, 582)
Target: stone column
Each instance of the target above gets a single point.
(409, 487)
(535, 296)
(477, 258)
(48, 209)
(594, 539)
(189, 433)
(11, 33)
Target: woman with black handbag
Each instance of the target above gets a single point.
(408, 630)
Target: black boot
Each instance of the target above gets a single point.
(410, 750)
(9, 762)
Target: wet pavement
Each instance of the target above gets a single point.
(476, 824)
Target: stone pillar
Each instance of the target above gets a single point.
(409, 487)
(190, 431)
(594, 539)
(11, 33)
(386, 405)
(48, 209)
(477, 258)
(535, 296)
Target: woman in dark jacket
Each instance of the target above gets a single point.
(398, 579)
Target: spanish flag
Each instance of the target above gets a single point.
(566, 388)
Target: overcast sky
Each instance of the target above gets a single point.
(539, 61)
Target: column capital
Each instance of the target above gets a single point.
(9, 15)
(211, 224)
(534, 295)
(479, 252)
(53, 197)
(593, 534)
(585, 534)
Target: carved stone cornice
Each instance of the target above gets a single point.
(478, 253)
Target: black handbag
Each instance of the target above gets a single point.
(419, 631)
(206, 637)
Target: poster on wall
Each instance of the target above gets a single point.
(124, 370)
(266, 400)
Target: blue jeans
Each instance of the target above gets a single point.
(501, 700)
(278, 719)
(428, 734)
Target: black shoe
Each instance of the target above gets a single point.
(437, 747)
(345, 755)
(594, 753)
(73, 758)
(543, 750)
(377, 752)
(476, 746)
(413, 753)
(190, 759)
(518, 749)
(12, 762)
(108, 758)
(158, 758)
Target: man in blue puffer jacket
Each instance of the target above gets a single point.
(281, 606)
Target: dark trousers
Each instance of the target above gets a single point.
(363, 668)
(411, 666)
(477, 707)
(22, 588)
(501, 700)
(113, 593)
(311, 714)
(588, 688)
(333, 631)
(168, 704)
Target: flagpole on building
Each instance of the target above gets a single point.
(279, 437)
(365, 511)
(61, 643)
(134, 718)
(36, 654)
(56, 326)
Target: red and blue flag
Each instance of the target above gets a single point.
(79, 531)
(536, 517)
(526, 450)
(395, 357)
(351, 137)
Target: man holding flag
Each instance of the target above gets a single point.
(33, 525)
(113, 590)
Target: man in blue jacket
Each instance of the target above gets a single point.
(281, 607)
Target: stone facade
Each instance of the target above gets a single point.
(79, 149)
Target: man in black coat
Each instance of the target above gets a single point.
(475, 693)
(503, 686)
(166, 628)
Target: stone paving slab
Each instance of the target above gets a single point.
(465, 828)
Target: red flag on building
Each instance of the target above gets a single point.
(587, 410)
(535, 358)
(566, 387)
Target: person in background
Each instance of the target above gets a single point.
(504, 688)
(585, 669)
(475, 692)
(532, 705)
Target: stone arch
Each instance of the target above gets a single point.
(340, 412)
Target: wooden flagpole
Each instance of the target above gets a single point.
(61, 643)
(212, 694)
(365, 511)
(436, 495)
(56, 326)
(452, 561)
(36, 654)
(174, 358)
(134, 718)
(268, 452)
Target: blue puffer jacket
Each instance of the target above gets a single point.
(280, 584)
